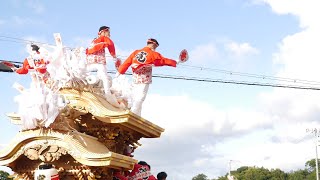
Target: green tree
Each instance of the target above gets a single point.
(254, 173)
(311, 165)
(222, 178)
(4, 175)
(277, 174)
(298, 175)
(242, 169)
(311, 168)
(311, 176)
(200, 177)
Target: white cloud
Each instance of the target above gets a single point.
(36, 6)
(81, 41)
(196, 132)
(240, 49)
(200, 138)
(123, 54)
(18, 22)
(268, 135)
(202, 118)
(291, 105)
(299, 55)
(276, 155)
(294, 111)
(33, 6)
(307, 11)
(203, 53)
(24, 21)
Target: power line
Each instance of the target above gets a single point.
(199, 79)
(238, 82)
(20, 40)
(251, 75)
(229, 81)
(7, 38)
(294, 80)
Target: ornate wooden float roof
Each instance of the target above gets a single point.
(84, 102)
(49, 146)
(92, 103)
(88, 130)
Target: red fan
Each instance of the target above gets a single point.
(183, 57)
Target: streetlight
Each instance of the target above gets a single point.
(317, 171)
(230, 177)
(315, 131)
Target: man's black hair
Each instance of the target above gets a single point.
(162, 175)
(103, 28)
(151, 40)
(143, 163)
(35, 47)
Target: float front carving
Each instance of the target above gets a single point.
(46, 153)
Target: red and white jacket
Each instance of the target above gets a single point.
(35, 62)
(96, 51)
(141, 62)
(141, 172)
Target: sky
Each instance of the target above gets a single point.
(208, 126)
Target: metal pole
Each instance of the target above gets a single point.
(230, 168)
(315, 131)
(230, 177)
(317, 170)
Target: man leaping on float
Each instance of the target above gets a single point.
(141, 62)
(96, 59)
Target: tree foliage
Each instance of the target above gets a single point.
(4, 175)
(261, 173)
(311, 165)
(200, 177)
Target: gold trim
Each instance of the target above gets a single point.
(83, 148)
(87, 102)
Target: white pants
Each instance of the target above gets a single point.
(107, 82)
(139, 95)
(101, 74)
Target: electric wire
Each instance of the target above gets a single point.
(14, 39)
(200, 79)
(251, 75)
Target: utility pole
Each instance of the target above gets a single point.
(317, 169)
(230, 168)
(230, 177)
(315, 131)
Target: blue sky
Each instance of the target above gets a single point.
(207, 124)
